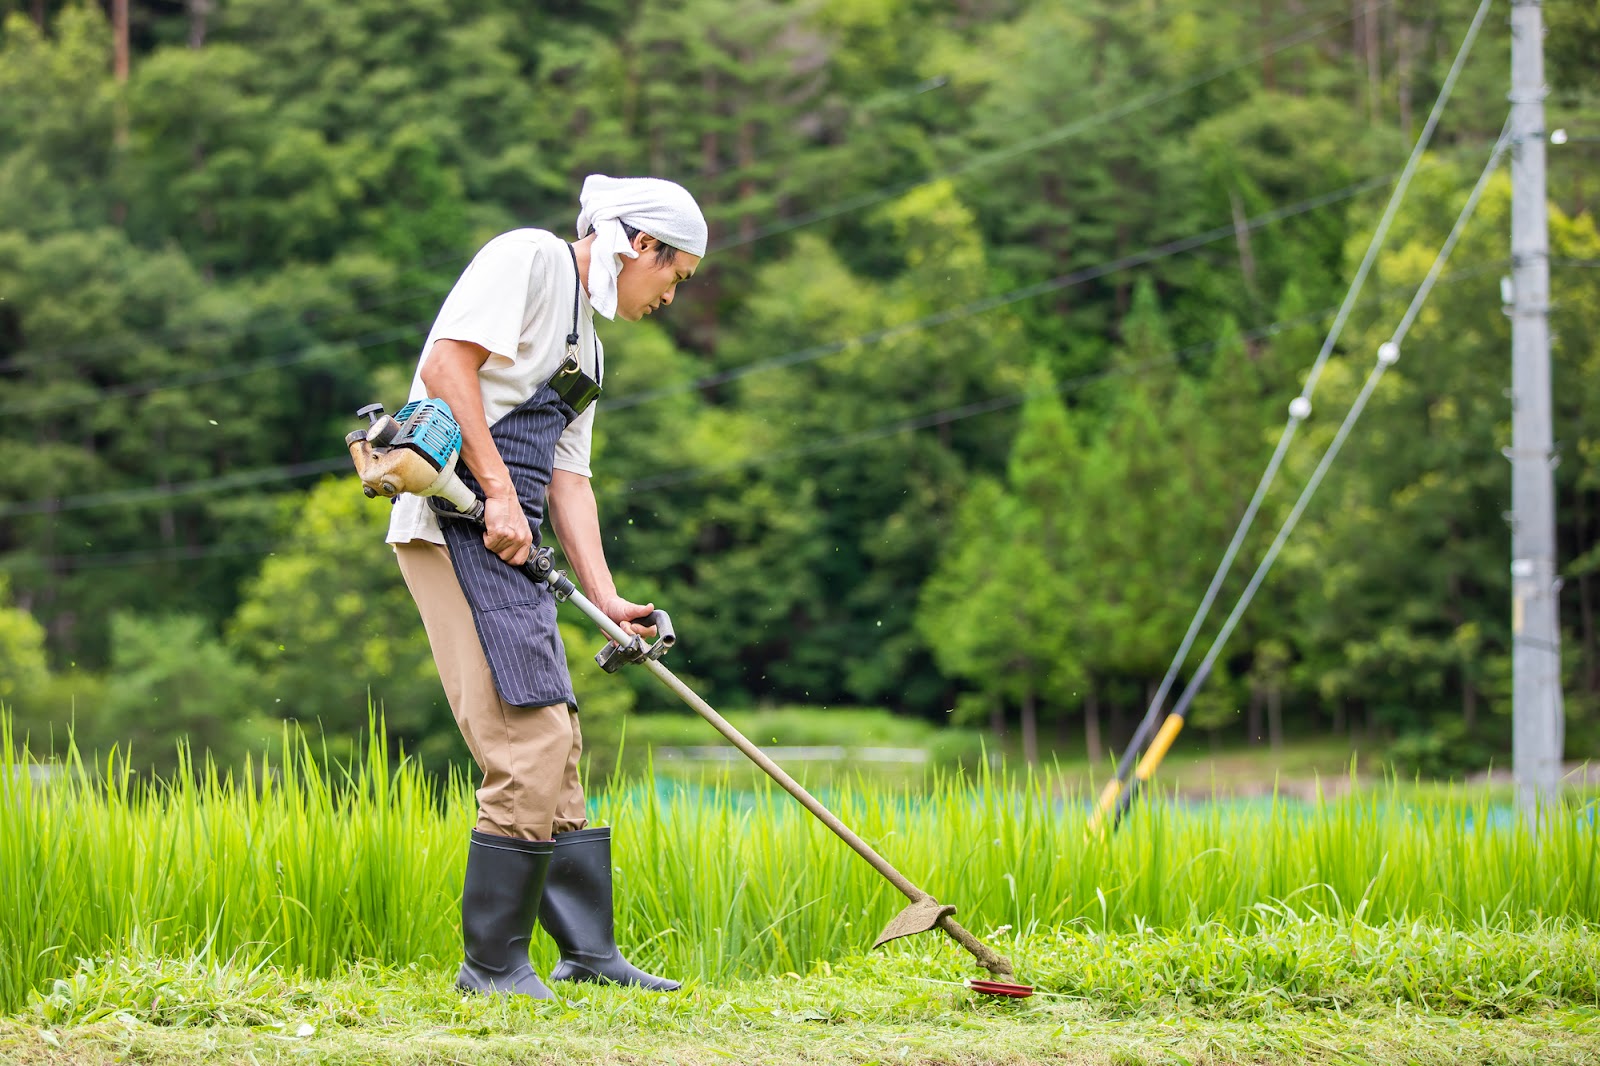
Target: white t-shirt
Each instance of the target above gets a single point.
(514, 299)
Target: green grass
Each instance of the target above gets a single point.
(850, 726)
(650, 738)
(328, 897)
(1123, 999)
(320, 866)
(1196, 767)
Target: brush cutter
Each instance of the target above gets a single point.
(416, 451)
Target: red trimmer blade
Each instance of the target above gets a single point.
(1001, 988)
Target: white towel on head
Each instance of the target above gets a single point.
(663, 209)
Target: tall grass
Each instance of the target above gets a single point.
(314, 866)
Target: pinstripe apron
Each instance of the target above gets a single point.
(515, 615)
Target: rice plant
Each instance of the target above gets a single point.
(311, 866)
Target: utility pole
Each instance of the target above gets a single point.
(1538, 725)
(119, 33)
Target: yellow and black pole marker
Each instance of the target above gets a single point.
(1117, 797)
(1125, 766)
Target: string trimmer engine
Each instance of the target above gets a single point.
(413, 451)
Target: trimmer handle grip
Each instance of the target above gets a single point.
(662, 622)
(636, 650)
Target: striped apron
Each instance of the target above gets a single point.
(514, 614)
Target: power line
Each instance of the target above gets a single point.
(980, 407)
(950, 414)
(990, 303)
(287, 358)
(682, 476)
(243, 479)
(137, 496)
(1388, 353)
(1299, 410)
(124, 345)
(118, 560)
(1049, 137)
(804, 355)
(841, 441)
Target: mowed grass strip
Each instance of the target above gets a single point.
(313, 867)
(879, 1010)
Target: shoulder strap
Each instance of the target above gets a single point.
(572, 338)
(577, 283)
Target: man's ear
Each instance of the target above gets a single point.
(643, 242)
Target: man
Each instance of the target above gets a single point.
(514, 354)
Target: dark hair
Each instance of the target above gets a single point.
(665, 253)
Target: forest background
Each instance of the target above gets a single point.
(1005, 303)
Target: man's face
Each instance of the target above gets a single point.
(643, 285)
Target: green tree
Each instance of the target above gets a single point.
(839, 473)
(1417, 634)
(177, 684)
(1003, 609)
(207, 267)
(56, 122)
(24, 670)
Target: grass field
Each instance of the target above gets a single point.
(1302, 767)
(900, 1008)
(312, 917)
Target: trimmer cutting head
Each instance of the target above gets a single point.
(1001, 988)
(921, 916)
(927, 913)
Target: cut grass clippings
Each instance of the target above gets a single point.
(877, 1010)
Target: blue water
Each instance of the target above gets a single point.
(666, 791)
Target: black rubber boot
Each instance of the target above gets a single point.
(576, 912)
(499, 903)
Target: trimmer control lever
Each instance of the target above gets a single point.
(637, 650)
(541, 566)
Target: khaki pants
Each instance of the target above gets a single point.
(528, 755)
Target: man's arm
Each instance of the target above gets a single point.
(450, 373)
(576, 522)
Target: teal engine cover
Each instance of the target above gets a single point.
(429, 427)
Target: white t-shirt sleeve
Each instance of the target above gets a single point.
(488, 303)
(572, 449)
